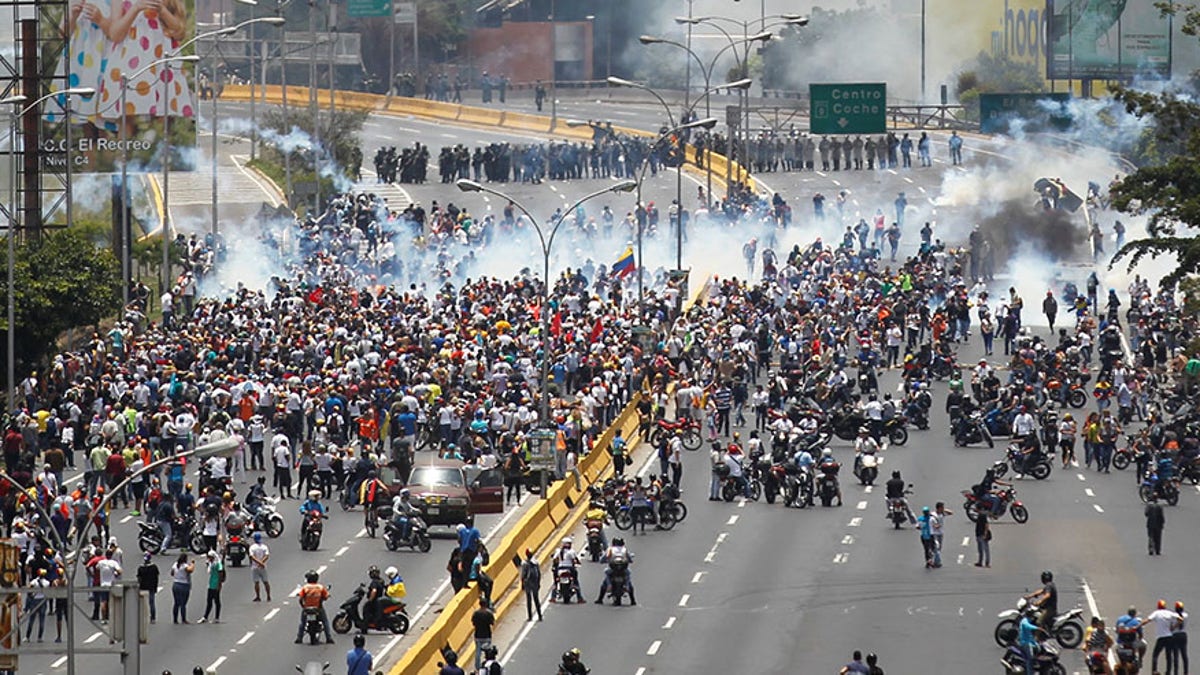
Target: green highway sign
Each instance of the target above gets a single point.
(854, 108)
(365, 9)
(999, 113)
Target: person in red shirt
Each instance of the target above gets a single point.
(313, 595)
(114, 471)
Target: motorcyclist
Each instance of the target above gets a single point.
(616, 554)
(1046, 600)
(1027, 639)
(571, 663)
(376, 588)
(312, 595)
(371, 493)
(597, 517)
(734, 462)
(403, 511)
(985, 490)
(567, 559)
(1164, 470)
(312, 504)
(396, 590)
(1096, 644)
(1129, 636)
(895, 492)
(257, 495)
(1030, 452)
(829, 467)
(865, 444)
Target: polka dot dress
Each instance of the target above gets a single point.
(89, 53)
(144, 95)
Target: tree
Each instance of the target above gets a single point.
(993, 74)
(62, 281)
(1166, 187)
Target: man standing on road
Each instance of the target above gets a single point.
(1163, 620)
(531, 583)
(1155, 521)
(482, 620)
(359, 661)
(147, 578)
(259, 555)
(937, 521)
(956, 144)
(925, 525)
(1050, 309)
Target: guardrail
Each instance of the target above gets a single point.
(473, 115)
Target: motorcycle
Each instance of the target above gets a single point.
(866, 468)
(797, 487)
(313, 668)
(184, 534)
(1073, 394)
(1067, 627)
(973, 430)
(1008, 502)
(1152, 488)
(595, 546)
(1039, 468)
(730, 488)
(689, 428)
(827, 488)
(312, 625)
(1045, 656)
(267, 519)
(896, 511)
(845, 425)
(618, 579)
(394, 618)
(775, 478)
(310, 531)
(418, 534)
(564, 586)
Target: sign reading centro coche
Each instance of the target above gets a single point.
(853, 108)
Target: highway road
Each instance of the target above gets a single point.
(744, 587)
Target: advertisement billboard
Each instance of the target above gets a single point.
(115, 49)
(1112, 40)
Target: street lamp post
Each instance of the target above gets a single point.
(547, 243)
(739, 84)
(16, 112)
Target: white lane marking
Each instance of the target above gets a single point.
(546, 605)
(341, 551)
(95, 636)
(862, 506)
(696, 577)
(840, 558)
(1098, 508)
(869, 487)
(906, 178)
(670, 622)
(742, 503)
(847, 540)
(960, 558)
(552, 188)
(126, 519)
(653, 648)
(58, 662)
(966, 540)
(448, 136)
(1095, 609)
(271, 614)
(732, 520)
(1081, 476)
(640, 670)
(855, 522)
(921, 189)
(246, 638)
(1088, 492)
(837, 182)
(216, 664)
(322, 568)
(721, 537)
(684, 600)
(361, 533)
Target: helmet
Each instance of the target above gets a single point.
(1047, 576)
(314, 495)
(372, 474)
(391, 572)
(827, 453)
(896, 474)
(311, 576)
(257, 537)
(863, 430)
(490, 652)
(404, 492)
(618, 541)
(372, 571)
(568, 541)
(1067, 416)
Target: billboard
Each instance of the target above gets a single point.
(1111, 40)
(113, 47)
(1006, 113)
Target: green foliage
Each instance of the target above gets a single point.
(994, 74)
(340, 134)
(1166, 187)
(62, 281)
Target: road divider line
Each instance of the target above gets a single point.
(1089, 492)
(847, 540)
(854, 522)
(732, 520)
(653, 648)
(696, 577)
(1081, 477)
(721, 537)
(868, 488)
(684, 600)
(862, 506)
(322, 568)
(361, 533)
(640, 671)
(961, 556)
(669, 624)
(58, 662)
(966, 541)
(271, 614)
(93, 637)
(1098, 508)
(840, 558)
(126, 519)
(341, 551)
(742, 503)
(246, 638)
(216, 664)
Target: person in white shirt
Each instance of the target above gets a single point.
(108, 571)
(1023, 424)
(260, 553)
(282, 456)
(1164, 621)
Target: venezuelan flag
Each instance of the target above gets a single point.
(624, 265)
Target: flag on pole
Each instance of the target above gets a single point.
(625, 264)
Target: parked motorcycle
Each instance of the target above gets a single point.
(689, 428)
(393, 620)
(1067, 627)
